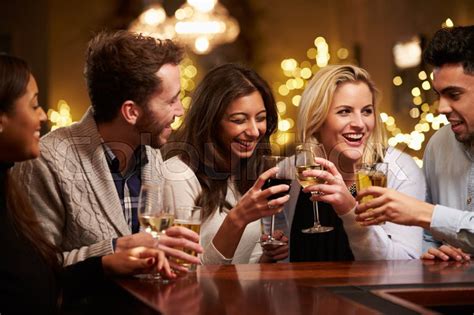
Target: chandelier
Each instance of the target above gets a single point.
(200, 24)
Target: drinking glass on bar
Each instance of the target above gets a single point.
(283, 176)
(189, 217)
(304, 161)
(155, 215)
(371, 174)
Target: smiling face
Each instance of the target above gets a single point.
(349, 123)
(162, 107)
(21, 126)
(243, 126)
(456, 99)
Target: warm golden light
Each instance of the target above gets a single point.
(426, 85)
(414, 113)
(311, 53)
(415, 91)
(291, 84)
(289, 64)
(296, 100)
(283, 90)
(281, 106)
(299, 83)
(201, 44)
(417, 100)
(425, 107)
(397, 81)
(61, 117)
(447, 23)
(204, 6)
(342, 53)
(390, 121)
(282, 138)
(429, 117)
(153, 16)
(306, 73)
(284, 125)
(319, 40)
(422, 75)
(208, 27)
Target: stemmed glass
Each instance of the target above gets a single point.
(305, 160)
(155, 214)
(281, 177)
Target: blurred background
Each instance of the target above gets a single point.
(285, 41)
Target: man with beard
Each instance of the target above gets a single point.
(449, 156)
(87, 181)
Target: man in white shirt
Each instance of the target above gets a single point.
(448, 212)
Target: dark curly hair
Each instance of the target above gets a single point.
(452, 45)
(122, 66)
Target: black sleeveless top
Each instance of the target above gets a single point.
(329, 246)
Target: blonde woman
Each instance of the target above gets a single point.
(339, 110)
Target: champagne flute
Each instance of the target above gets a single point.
(282, 177)
(304, 160)
(155, 215)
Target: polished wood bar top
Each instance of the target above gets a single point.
(294, 288)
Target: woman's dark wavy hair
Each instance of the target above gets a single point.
(452, 45)
(197, 143)
(14, 78)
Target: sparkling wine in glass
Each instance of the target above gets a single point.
(305, 160)
(155, 214)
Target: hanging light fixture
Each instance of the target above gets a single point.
(153, 22)
(203, 24)
(200, 24)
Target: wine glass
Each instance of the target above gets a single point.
(281, 177)
(155, 215)
(305, 160)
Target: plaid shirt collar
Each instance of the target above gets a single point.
(114, 164)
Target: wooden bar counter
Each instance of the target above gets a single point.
(363, 287)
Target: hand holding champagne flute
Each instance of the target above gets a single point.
(155, 215)
(305, 160)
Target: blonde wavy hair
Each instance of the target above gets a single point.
(316, 101)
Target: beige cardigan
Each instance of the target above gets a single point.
(73, 193)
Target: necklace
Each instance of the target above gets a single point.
(352, 189)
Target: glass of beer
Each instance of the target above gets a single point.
(371, 174)
(304, 161)
(155, 215)
(189, 217)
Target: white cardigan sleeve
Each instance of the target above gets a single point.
(186, 188)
